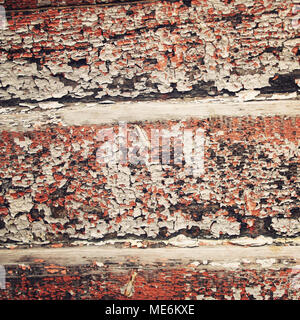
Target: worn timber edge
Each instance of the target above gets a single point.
(28, 116)
(107, 273)
(225, 254)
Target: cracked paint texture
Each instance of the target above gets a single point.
(54, 191)
(149, 50)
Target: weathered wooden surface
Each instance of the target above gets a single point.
(220, 272)
(54, 189)
(227, 233)
(25, 117)
(159, 49)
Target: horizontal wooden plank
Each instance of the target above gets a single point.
(221, 272)
(28, 116)
(86, 254)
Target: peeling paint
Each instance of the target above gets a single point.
(169, 274)
(162, 49)
(238, 197)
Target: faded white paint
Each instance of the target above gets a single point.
(27, 117)
(217, 257)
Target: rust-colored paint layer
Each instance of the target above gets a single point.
(134, 278)
(149, 50)
(54, 191)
